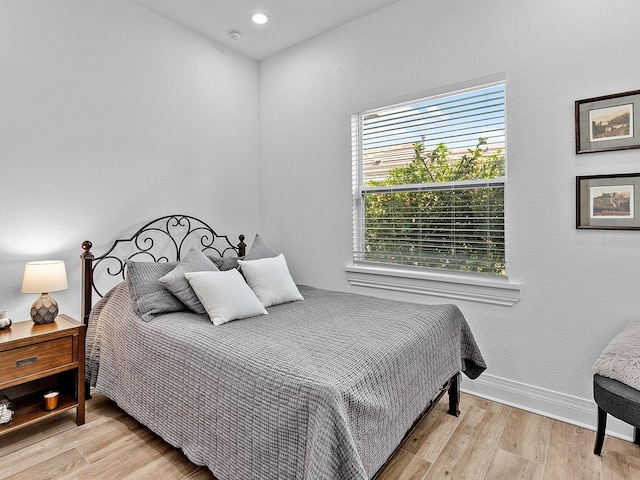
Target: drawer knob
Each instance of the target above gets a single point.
(26, 361)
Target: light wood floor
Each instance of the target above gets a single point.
(488, 441)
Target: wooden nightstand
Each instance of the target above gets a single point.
(35, 359)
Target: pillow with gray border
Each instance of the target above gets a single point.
(177, 283)
(149, 295)
(260, 249)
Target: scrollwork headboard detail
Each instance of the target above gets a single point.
(165, 239)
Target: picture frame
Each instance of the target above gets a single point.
(608, 202)
(610, 122)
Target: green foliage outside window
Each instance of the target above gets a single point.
(459, 228)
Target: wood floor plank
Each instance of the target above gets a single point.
(471, 400)
(53, 467)
(174, 465)
(114, 441)
(201, 473)
(506, 465)
(617, 466)
(468, 452)
(405, 466)
(526, 435)
(623, 447)
(432, 434)
(35, 433)
(31, 453)
(125, 462)
(570, 455)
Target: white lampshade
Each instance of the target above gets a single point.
(47, 276)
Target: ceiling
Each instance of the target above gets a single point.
(292, 21)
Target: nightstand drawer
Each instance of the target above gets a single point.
(33, 359)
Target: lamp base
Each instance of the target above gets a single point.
(44, 310)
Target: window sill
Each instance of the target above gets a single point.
(482, 290)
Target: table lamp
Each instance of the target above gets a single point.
(44, 277)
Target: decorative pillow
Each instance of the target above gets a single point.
(176, 282)
(224, 263)
(270, 280)
(225, 295)
(149, 295)
(260, 249)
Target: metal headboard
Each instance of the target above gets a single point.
(165, 239)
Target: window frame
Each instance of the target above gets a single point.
(484, 288)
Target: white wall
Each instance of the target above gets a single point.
(110, 116)
(578, 287)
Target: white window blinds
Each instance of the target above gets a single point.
(429, 180)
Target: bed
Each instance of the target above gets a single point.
(326, 387)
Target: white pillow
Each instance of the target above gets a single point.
(225, 295)
(270, 280)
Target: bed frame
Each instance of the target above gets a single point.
(165, 239)
(168, 239)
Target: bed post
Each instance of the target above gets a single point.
(242, 247)
(85, 300)
(87, 281)
(454, 395)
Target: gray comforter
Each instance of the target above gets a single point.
(323, 388)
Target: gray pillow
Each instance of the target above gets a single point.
(224, 263)
(177, 283)
(260, 249)
(149, 295)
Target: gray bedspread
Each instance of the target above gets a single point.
(323, 388)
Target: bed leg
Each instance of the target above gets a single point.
(454, 396)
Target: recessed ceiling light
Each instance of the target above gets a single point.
(260, 18)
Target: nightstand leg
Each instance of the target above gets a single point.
(80, 381)
(80, 409)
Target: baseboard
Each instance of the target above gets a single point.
(559, 406)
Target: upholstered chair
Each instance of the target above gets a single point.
(617, 399)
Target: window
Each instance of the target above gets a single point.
(429, 181)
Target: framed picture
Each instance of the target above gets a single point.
(608, 202)
(608, 123)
